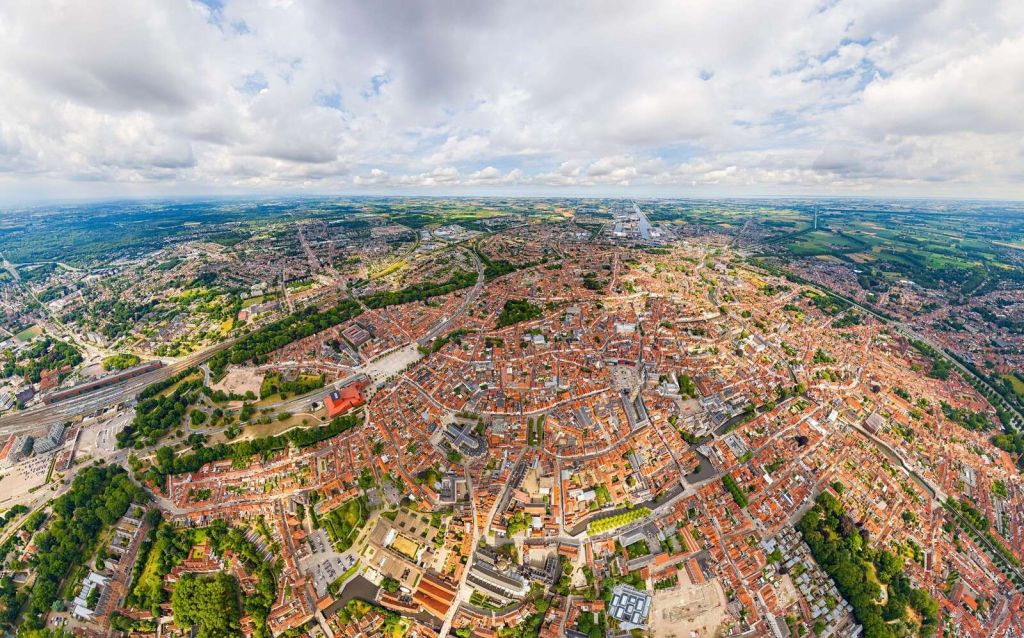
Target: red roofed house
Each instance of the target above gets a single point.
(341, 401)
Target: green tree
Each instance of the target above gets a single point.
(209, 603)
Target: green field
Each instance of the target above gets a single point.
(970, 247)
(823, 242)
(28, 334)
(1015, 384)
(344, 522)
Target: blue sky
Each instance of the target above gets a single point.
(707, 97)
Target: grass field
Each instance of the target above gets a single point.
(252, 301)
(344, 522)
(29, 334)
(822, 242)
(148, 585)
(387, 269)
(1015, 383)
(1015, 245)
(637, 549)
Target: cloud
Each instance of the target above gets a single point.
(981, 93)
(719, 96)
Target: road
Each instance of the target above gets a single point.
(450, 615)
(910, 331)
(314, 263)
(60, 327)
(642, 223)
(1016, 420)
(445, 324)
(46, 415)
(43, 416)
(42, 498)
(9, 267)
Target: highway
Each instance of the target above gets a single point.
(642, 224)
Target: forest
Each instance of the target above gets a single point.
(99, 496)
(208, 603)
(420, 292)
(157, 415)
(861, 572)
(224, 538)
(168, 464)
(280, 333)
(517, 310)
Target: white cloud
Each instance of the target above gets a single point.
(725, 96)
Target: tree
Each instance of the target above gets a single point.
(209, 603)
(165, 458)
(92, 598)
(99, 495)
(844, 554)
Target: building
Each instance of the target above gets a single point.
(452, 488)
(5, 451)
(636, 411)
(18, 447)
(102, 382)
(49, 379)
(356, 335)
(874, 423)
(464, 439)
(344, 400)
(630, 606)
(435, 595)
(80, 608)
(504, 586)
(52, 440)
(25, 395)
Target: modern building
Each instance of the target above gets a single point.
(52, 440)
(630, 606)
(6, 449)
(20, 447)
(344, 400)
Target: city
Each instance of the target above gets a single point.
(402, 418)
(532, 319)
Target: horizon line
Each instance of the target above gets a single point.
(30, 204)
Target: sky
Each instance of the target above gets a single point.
(697, 98)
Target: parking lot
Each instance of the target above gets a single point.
(98, 438)
(19, 480)
(323, 563)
